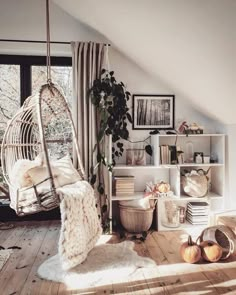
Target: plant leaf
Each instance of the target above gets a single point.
(93, 179)
(101, 190)
(129, 117)
(148, 149)
(99, 157)
(154, 132)
(104, 208)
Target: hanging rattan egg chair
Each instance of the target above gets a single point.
(42, 126)
(41, 132)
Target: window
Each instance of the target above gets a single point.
(61, 76)
(9, 93)
(19, 75)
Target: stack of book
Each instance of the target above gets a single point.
(124, 185)
(197, 212)
(168, 154)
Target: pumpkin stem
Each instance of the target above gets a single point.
(190, 241)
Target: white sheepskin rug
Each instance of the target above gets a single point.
(104, 264)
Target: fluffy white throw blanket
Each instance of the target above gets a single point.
(80, 228)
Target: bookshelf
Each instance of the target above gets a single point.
(212, 145)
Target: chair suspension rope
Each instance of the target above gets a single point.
(49, 81)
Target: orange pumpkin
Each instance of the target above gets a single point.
(163, 187)
(190, 251)
(211, 251)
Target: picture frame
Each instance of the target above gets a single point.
(155, 111)
(198, 157)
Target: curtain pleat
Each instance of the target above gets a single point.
(87, 63)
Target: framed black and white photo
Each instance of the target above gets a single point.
(153, 111)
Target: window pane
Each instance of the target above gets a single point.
(9, 94)
(61, 75)
(9, 101)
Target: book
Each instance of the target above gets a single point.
(125, 191)
(173, 154)
(165, 154)
(168, 154)
(197, 213)
(198, 204)
(198, 218)
(197, 222)
(124, 194)
(124, 187)
(122, 177)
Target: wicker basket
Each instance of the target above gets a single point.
(223, 236)
(136, 220)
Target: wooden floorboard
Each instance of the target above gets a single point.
(33, 284)
(38, 240)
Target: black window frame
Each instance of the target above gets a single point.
(26, 62)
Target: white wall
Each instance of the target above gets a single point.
(231, 166)
(140, 82)
(188, 44)
(26, 19)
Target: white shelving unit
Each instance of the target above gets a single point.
(209, 144)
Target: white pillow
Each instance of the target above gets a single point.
(39, 174)
(19, 176)
(63, 173)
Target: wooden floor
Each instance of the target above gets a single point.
(38, 240)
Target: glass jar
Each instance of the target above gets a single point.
(171, 214)
(189, 152)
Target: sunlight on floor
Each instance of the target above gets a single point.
(104, 239)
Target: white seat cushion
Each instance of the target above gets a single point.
(19, 176)
(63, 173)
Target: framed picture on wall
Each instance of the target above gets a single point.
(153, 111)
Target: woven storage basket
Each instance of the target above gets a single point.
(223, 236)
(195, 185)
(136, 220)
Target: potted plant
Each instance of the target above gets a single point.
(110, 99)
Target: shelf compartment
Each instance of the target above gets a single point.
(127, 167)
(135, 196)
(190, 135)
(139, 195)
(210, 195)
(199, 165)
(167, 166)
(183, 226)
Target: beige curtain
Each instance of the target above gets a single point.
(87, 62)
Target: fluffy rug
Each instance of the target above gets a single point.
(4, 256)
(105, 263)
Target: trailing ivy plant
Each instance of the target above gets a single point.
(110, 99)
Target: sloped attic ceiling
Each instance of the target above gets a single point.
(188, 44)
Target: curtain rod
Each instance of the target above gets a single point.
(37, 41)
